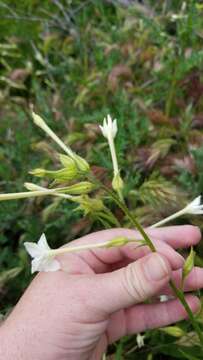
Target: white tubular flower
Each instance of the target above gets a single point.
(109, 131)
(194, 208)
(140, 340)
(82, 163)
(41, 123)
(23, 195)
(109, 128)
(164, 298)
(42, 255)
(36, 191)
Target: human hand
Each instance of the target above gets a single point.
(98, 297)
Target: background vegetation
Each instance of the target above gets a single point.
(74, 62)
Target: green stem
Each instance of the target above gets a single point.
(180, 295)
(131, 218)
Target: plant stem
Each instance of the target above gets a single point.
(180, 295)
(131, 218)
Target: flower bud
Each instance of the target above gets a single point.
(189, 264)
(83, 187)
(117, 183)
(82, 164)
(109, 128)
(173, 331)
(37, 119)
(89, 205)
(66, 160)
(38, 172)
(65, 174)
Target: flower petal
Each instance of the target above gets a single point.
(32, 249)
(196, 201)
(164, 298)
(197, 211)
(102, 130)
(114, 128)
(36, 264)
(52, 265)
(42, 243)
(109, 121)
(44, 263)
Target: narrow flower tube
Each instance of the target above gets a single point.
(37, 191)
(41, 123)
(23, 195)
(81, 163)
(54, 192)
(193, 208)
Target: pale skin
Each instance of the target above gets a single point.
(98, 297)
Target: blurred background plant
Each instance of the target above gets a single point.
(74, 62)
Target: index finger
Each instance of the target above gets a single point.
(100, 260)
(180, 236)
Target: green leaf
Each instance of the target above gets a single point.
(5, 276)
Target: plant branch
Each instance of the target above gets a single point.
(179, 294)
(131, 218)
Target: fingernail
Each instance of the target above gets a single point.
(156, 268)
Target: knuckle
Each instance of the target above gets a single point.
(134, 284)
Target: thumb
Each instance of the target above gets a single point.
(132, 284)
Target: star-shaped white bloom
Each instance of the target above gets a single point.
(140, 340)
(109, 128)
(195, 207)
(42, 255)
(163, 298)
